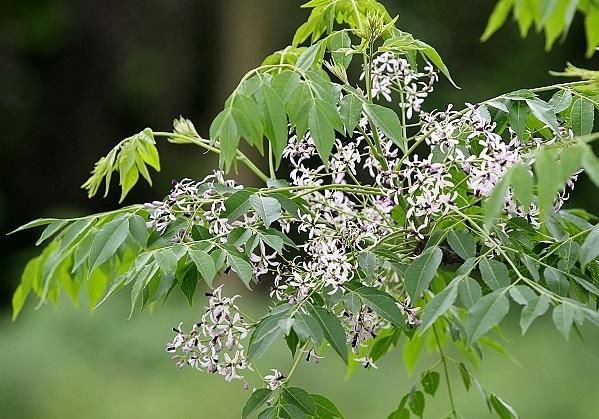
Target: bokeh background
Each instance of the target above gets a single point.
(78, 76)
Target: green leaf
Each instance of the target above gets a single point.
(385, 120)
(268, 413)
(338, 44)
(36, 223)
(433, 56)
(420, 273)
(561, 100)
(522, 184)
(469, 292)
(462, 243)
(237, 205)
(350, 111)
(591, 25)
(325, 409)
(382, 303)
(224, 129)
(265, 334)
(248, 119)
(383, 342)
(493, 205)
(494, 273)
(107, 241)
(544, 113)
(589, 250)
(518, 115)
(522, 294)
(556, 281)
(402, 413)
(465, 376)
(486, 314)
(590, 163)
(308, 327)
(311, 57)
(300, 398)
(50, 230)
(267, 208)
(430, 382)
(332, 329)
(241, 266)
(368, 262)
(298, 108)
(289, 411)
(535, 308)
(188, 283)
(285, 84)
(416, 402)
(497, 18)
(582, 117)
(255, 402)
(504, 410)
(138, 229)
(563, 317)
(275, 122)
(204, 264)
(321, 130)
(439, 304)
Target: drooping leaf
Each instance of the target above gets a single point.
(556, 281)
(107, 241)
(504, 410)
(582, 116)
(535, 308)
(462, 243)
(487, 313)
(382, 303)
(325, 409)
(332, 329)
(267, 208)
(420, 273)
(321, 130)
(518, 116)
(430, 382)
(469, 292)
(350, 111)
(544, 113)
(275, 122)
(300, 398)
(497, 19)
(204, 264)
(439, 305)
(386, 120)
(563, 317)
(255, 402)
(266, 333)
(589, 250)
(494, 273)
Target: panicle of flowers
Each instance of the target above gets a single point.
(215, 343)
(430, 192)
(390, 72)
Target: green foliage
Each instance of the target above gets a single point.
(552, 16)
(130, 158)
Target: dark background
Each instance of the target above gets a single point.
(78, 76)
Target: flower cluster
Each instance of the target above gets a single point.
(214, 344)
(187, 200)
(391, 73)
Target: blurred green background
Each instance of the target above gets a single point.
(78, 76)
